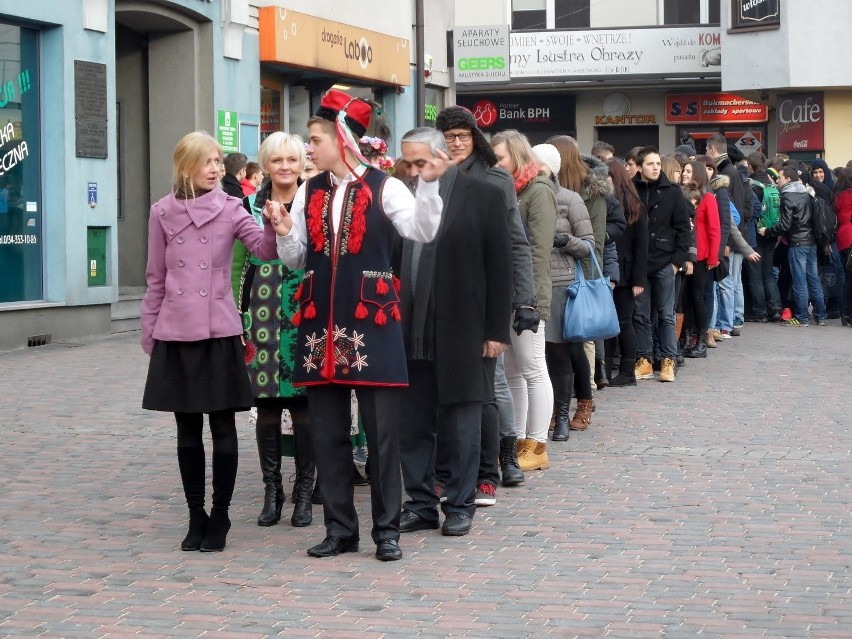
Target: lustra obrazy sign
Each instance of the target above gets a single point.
(481, 54)
(666, 52)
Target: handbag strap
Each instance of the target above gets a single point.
(595, 264)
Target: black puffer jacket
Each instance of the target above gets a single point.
(668, 222)
(794, 219)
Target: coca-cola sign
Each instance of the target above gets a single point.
(749, 14)
(800, 122)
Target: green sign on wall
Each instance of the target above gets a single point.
(228, 131)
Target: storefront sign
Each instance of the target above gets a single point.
(228, 131)
(481, 54)
(748, 143)
(800, 122)
(665, 52)
(748, 14)
(90, 109)
(713, 107)
(92, 194)
(527, 113)
(300, 40)
(630, 118)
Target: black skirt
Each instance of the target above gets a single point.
(198, 377)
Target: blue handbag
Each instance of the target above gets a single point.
(590, 310)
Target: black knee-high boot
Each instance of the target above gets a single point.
(563, 386)
(268, 436)
(191, 462)
(225, 459)
(303, 487)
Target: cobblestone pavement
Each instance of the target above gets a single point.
(716, 506)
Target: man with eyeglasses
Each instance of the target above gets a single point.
(469, 147)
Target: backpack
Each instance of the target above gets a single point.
(770, 204)
(735, 213)
(824, 221)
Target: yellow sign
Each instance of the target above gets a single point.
(300, 40)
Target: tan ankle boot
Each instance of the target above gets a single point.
(523, 444)
(583, 417)
(534, 457)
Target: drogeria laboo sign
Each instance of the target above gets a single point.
(749, 14)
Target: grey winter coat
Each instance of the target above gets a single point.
(572, 219)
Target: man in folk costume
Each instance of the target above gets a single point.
(456, 298)
(341, 230)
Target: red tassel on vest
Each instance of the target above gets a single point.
(381, 286)
(311, 311)
(297, 318)
(395, 312)
(361, 311)
(396, 284)
(299, 292)
(381, 318)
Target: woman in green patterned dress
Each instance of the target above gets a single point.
(265, 294)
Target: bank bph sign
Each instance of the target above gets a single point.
(481, 54)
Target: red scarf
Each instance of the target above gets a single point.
(524, 175)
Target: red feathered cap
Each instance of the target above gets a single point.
(358, 112)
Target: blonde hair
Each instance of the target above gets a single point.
(189, 156)
(573, 173)
(517, 145)
(671, 166)
(278, 143)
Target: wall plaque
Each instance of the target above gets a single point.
(90, 109)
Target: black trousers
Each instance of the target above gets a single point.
(625, 341)
(426, 425)
(694, 308)
(330, 407)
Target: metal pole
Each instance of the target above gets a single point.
(420, 69)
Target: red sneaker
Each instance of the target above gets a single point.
(786, 315)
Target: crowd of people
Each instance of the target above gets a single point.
(435, 298)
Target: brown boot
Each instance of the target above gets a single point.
(534, 457)
(583, 417)
(523, 444)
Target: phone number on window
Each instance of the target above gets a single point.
(18, 239)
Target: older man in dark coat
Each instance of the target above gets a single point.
(456, 301)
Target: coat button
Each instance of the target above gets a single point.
(171, 231)
(203, 292)
(653, 235)
(203, 239)
(179, 239)
(162, 211)
(181, 263)
(202, 265)
(179, 291)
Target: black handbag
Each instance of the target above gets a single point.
(720, 272)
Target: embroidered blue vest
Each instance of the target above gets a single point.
(349, 320)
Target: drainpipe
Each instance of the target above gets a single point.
(420, 70)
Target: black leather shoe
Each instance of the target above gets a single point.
(457, 525)
(333, 546)
(412, 522)
(388, 550)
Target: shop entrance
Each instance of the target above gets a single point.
(157, 64)
(624, 138)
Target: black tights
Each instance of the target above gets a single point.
(191, 459)
(223, 428)
(566, 358)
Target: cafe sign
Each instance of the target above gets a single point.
(801, 124)
(751, 14)
(300, 40)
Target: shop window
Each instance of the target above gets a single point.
(682, 12)
(529, 14)
(571, 14)
(21, 241)
(677, 12)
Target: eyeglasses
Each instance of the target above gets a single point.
(462, 137)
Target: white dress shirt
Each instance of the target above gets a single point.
(415, 217)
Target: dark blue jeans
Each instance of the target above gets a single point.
(657, 299)
(803, 270)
